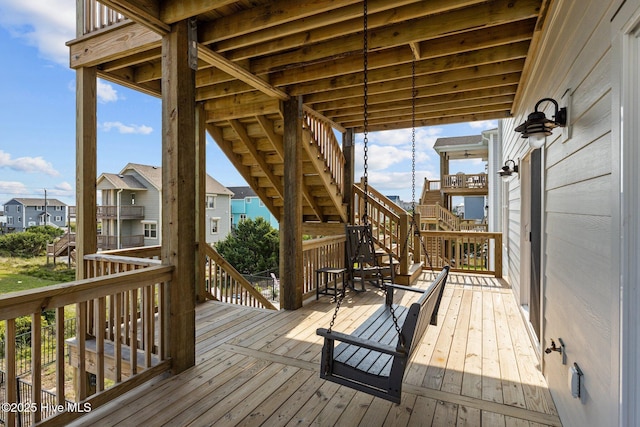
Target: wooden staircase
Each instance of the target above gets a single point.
(254, 145)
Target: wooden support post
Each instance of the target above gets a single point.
(86, 167)
(201, 179)
(179, 163)
(291, 276)
(348, 150)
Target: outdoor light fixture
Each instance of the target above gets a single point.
(506, 171)
(538, 127)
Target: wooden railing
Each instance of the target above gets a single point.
(126, 212)
(319, 253)
(111, 242)
(465, 181)
(464, 251)
(224, 283)
(439, 215)
(121, 312)
(94, 16)
(66, 240)
(390, 224)
(328, 146)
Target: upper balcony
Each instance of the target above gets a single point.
(126, 212)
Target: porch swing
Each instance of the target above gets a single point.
(373, 358)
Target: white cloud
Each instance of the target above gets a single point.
(27, 164)
(106, 92)
(484, 124)
(46, 25)
(12, 187)
(127, 129)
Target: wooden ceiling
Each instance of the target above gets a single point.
(470, 56)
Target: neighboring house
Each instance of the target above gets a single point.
(131, 209)
(22, 213)
(245, 204)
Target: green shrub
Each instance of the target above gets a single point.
(26, 244)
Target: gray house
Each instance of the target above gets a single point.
(22, 213)
(131, 210)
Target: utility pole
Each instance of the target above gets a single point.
(45, 207)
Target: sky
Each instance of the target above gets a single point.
(37, 119)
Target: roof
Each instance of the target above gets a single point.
(458, 140)
(153, 174)
(122, 182)
(242, 192)
(36, 201)
(214, 187)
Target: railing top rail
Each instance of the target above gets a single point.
(322, 241)
(22, 303)
(121, 259)
(390, 208)
(476, 234)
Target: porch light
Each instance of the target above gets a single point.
(507, 171)
(538, 127)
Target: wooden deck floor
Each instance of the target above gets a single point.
(255, 367)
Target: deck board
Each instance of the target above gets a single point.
(260, 368)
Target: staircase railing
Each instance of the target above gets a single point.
(224, 283)
(389, 221)
(440, 215)
(328, 146)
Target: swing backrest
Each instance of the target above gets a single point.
(360, 248)
(423, 312)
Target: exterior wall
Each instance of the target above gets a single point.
(221, 212)
(578, 273)
(252, 207)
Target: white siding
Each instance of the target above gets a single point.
(578, 281)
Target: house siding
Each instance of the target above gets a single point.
(579, 289)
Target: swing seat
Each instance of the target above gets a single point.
(373, 358)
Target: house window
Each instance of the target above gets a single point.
(58, 218)
(59, 208)
(17, 208)
(247, 200)
(39, 208)
(243, 217)
(150, 230)
(133, 199)
(214, 225)
(260, 203)
(9, 220)
(211, 202)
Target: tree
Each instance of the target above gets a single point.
(253, 247)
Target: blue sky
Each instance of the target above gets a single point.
(37, 119)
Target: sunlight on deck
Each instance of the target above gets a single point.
(258, 367)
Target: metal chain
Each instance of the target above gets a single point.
(365, 83)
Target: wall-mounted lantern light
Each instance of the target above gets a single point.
(538, 127)
(507, 171)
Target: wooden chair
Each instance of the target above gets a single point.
(373, 358)
(363, 264)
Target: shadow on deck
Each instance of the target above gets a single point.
(258, 367)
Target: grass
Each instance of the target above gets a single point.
(18, 274)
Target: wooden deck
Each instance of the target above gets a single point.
(256, 367)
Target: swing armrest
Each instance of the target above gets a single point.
(359, 342)
(405, 288)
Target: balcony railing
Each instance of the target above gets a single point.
(464, 181)
(111, 242)
(318, 253)
(464, 251)
(119, 339)
(94, 16)
(126, 212)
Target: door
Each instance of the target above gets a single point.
(535, 238)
